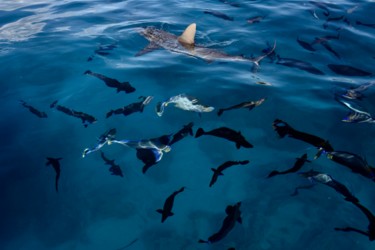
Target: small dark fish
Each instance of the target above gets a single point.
(228, 134)
(323, 39)
(347, 70)
(182, 133)
(371, 226)
(55, 162)
(34, 110)
(297, 166)
(371, 25)
(219, 171)
(249, 105)
(86, 118)
(354, 162)
(114, 169)
(113, 83)
(283, 129)
(149, 156)
(255, 19)
(305, 45)
(332, 19)
(294, 63)
(131, 108)
(218, 14)
(329, 181)
(233, 216)
(168, 205)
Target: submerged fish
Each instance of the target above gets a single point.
(347, 70)
(329, 181)
(33, 110)
(168, 205)
(55, 163)
(131, 108)
(185, 44)
(355, 93)
(218, 14)
(114, 169)
(249, 105)
(297, 166)
(219, 170)
(233, 216)
(226, 133)
(294, 63)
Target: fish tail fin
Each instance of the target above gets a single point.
(220, 112)
(109, 114)
(199, 132)
(87, 72)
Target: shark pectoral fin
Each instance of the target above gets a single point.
(149, 48)
(160, 211)
(188, 36)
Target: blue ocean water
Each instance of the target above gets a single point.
(46, 46)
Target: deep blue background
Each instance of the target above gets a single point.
(44, 48)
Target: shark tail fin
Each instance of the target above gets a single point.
(199, 132)
(188, 36)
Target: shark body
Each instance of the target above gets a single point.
(185, 44)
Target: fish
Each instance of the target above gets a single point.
(332, 19)
(347, 70)
(371, 226)
(185, 44)
(357, 114)
(168, 205)
(114, 169)
(370, 25)
(113, 83)
(106, 137)
(354, 162)
(86, 118)
(218, 14)
(55, 163)
(233, 215)
(131, 108)
(255, 19)
(183, 102)
(231, 3)
(219, 170)
(322, 39)
(294, 63)
(305, 45)
(297, 166)
(249, 105)
(228, 134)
(284, 129)
(33, 110)
(329, 181)
(182, 133)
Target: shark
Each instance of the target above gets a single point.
(185, 44)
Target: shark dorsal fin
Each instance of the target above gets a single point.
(187, 37)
